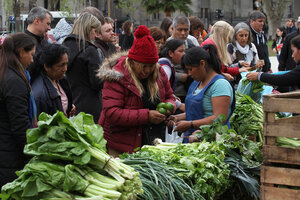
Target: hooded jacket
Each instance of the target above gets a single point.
(123, 115)
(81, 75)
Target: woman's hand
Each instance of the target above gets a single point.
(193, 138)
(182, 126)
(244, 69)
(72, 111)
(274, 50)
(252, 76)
(156, 117)
(228, 76)
(245, 64)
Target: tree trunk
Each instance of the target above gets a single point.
(32, 4)
(168, 13)
(275, 10)
(17, 12)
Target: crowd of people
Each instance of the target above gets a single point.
(120, 81)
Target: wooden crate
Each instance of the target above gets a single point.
(280, 173)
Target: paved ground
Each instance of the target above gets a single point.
(274, 63)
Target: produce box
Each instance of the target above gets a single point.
(280, 172)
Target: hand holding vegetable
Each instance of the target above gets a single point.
(253, 76)
(155, 117)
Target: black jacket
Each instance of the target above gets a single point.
(81, 75)
(126, 41)
(260, 41)
(286, 62)
(47, 98)
(289, 79)
(14, 121)
(41, 44)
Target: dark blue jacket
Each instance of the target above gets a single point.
(46, 96)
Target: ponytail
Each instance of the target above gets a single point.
(213, 61)
(208, 53)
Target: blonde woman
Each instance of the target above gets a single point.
(83, 62)
(134, 85)
(220, 35)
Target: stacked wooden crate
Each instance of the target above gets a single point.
(280, 172)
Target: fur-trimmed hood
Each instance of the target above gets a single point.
(106, 70)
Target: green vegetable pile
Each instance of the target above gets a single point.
(206, 172)
(288, 142)
(247, 118)
(161, 181)
(70, 162)
(252, 89)
(242, 155)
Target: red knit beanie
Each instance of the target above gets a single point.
(143, 49)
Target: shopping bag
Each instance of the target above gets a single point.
(173, 137)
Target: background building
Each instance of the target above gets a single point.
(232, 11)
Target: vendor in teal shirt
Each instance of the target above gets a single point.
(209, 95)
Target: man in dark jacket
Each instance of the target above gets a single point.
(286, 62)
(39, 20)
(104, 41)
(257, 20)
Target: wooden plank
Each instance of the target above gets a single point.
(281, 155)
(281, 105)
(289, 120)
(273, 193)
(270, 141)
(286, 95)
(282, 130)
(280, 176)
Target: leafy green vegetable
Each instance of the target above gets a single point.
(160, 181)
(207, 173)
(69, 157)
(288, 142)
(247, 118)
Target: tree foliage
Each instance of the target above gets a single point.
(275, 10)
(167, 6)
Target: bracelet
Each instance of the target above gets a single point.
(192, 125)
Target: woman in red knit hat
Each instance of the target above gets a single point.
(134, 84)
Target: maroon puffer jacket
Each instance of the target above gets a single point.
(123, 115)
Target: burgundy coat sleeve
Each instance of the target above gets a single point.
(121, 106)
(233, 71)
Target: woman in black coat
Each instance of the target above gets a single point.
(83, 64)
(16, 103)
(291, 78)
(50, 88)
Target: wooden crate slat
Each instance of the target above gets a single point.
(281, 155)
(273, 193)
(282, 105)
(282, 130)
(294, 94)
(280, 176)
(289, 120)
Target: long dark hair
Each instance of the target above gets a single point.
(281, 28)
(50, 55)
(296, 42)
(194, 55)
(171, 45)
(10, 52)
(165, 25)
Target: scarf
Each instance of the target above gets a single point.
(243, 50)
(32, 106)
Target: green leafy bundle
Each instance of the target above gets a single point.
(207, 173)
(288, 142)
(72, 151)
(247, 118)
(160, 181)
(243, 155)
(253, 89)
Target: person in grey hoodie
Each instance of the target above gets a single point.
(61, 30)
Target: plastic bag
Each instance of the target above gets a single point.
(252, 89)
(173, 137)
